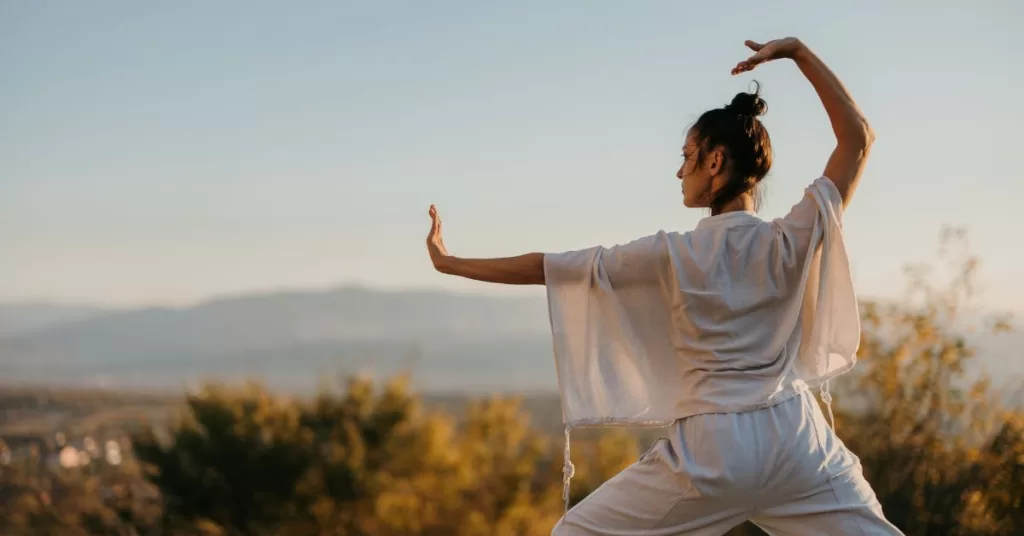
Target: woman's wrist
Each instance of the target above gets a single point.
(447, 264)
(799, 51)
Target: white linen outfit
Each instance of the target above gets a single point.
(720, 332)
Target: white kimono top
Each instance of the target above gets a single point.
(735, 315)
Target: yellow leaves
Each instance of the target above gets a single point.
(938, 450)
(979, 390)
(476, 524)
(1002, 323)
(400, 512)
(524, 518)
(205, 527)
(367, 462)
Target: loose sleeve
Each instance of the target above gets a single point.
(603, 303)
(811, 238)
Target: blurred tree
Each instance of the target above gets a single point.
(994, 504)
(914, 416)
(360, 463)
(38, 500)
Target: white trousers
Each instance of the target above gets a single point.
(781, 467)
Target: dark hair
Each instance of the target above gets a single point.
(748, 150)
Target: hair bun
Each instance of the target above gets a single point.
(748, 104)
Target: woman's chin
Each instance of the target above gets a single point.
(693, 204)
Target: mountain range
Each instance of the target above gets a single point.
(26, 317)
(297, 340)
(289, 339)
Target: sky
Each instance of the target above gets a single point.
(163, 153)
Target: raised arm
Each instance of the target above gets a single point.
(854, 136)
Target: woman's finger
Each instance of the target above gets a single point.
(762, 55)
(434, 220)
(754, 60)
(744, 66)
(753, 45)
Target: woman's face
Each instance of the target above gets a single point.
(697, 176)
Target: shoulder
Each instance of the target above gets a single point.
(821, 198)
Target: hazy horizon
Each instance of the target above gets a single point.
(537, 293)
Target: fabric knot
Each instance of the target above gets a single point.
(826, 397)
(568, 470)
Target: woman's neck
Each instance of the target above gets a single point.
(743, 203)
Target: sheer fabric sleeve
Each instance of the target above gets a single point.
(602, 302)
(810, 243)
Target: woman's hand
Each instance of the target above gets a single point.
(435, 243)
(787, 47)
(522, 270)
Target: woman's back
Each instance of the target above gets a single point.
(736, 316)
(712, 320)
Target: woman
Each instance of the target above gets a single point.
(720, 332)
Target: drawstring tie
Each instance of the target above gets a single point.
(568, 470)
(826, 397)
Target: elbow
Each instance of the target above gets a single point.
(869, 135)
(859, 135)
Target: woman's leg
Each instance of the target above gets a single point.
(689, 485)
(843, 505)
(649, 498)
(781, 467)
(814, 484)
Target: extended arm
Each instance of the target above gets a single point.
(522, 270)
(641, 262)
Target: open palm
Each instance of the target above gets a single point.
(765, 52)
(435, 242)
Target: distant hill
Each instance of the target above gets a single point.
(18, 319)
(293, 340)
(452, 341)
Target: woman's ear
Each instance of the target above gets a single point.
(716, 161)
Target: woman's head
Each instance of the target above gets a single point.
(726, 154)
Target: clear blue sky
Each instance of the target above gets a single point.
(165, 152)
